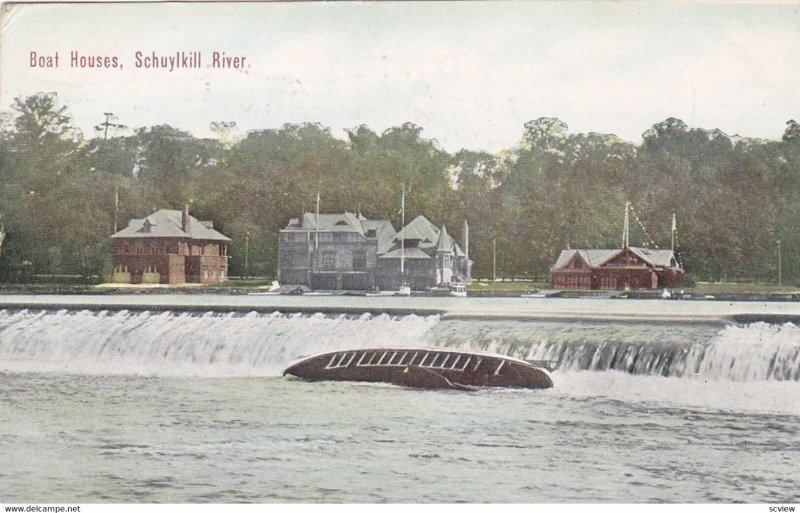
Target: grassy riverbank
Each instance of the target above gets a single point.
(236, 286)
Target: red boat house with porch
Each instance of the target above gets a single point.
(169, 247)
(626, 268)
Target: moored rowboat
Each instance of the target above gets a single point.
(424, 368)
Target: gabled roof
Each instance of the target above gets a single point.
(419, 229)
(598, 257)
(593, 257)
(384, 231)
(430, 240)
(168, 223)
(408, 254)
(657, 257)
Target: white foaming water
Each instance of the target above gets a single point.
(753, 352)
(182, 344)
(255, 344)
(722, 427)
(772, 397)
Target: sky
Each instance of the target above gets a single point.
(471, 74)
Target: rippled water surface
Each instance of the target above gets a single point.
(123, 439)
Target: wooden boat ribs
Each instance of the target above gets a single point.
(425, 368)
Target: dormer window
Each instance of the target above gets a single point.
(148, 223)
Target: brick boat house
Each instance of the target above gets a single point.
(626, 268)
(169, 247)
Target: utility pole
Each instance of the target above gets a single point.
(626, 227)
(246, 253)
(107, 123)
(494, 259)
(780, 276)
(116, 207)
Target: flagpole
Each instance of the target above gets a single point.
(316, 222)
(402, 225)
(674, 229)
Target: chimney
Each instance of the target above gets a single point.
(185, 219)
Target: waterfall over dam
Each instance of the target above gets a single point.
(218, 344)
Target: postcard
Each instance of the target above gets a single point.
(403, 253)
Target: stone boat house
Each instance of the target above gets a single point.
(350, 252)
(169, 247)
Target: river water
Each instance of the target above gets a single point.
(170, 406)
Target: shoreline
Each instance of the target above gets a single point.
(489, 309)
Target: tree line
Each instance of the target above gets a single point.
(62, 193)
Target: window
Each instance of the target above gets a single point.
(359, 260)
(328, 260)
(325, 237)
(339, 237)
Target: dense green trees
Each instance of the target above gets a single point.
(62, 194)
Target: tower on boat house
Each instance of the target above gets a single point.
(169, 247)
(350, 252)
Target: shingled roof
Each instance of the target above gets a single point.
(346, 222)
(419, 229)
(429, 239)
(657, 257)
(597, 257)
(384, 231)
(168, 223)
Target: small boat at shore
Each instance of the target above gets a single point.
(424, 368)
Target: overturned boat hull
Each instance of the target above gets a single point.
(423, 368)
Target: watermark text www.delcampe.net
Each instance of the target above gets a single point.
(43, 509)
